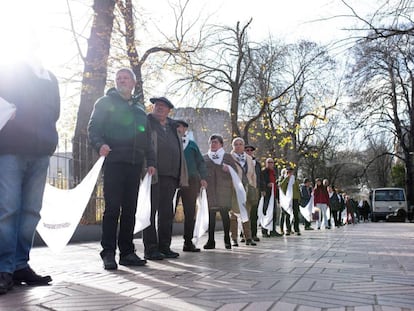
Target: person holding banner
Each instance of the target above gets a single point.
(321, 201)
(118, 129)
(269, 182)
(171, 174)
(197, 174)
(247, 174)
(305, 196)
(249, 149)
(220, 188)
(27, 141)
(290, 203)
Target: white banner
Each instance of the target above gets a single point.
(6, 112)
(202, 221)
(143, 214)
(306, 211)
(240, 194)
(62, 209)
(267, 220)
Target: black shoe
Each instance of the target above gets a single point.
(256, 239)
(6, 282)
(190, 248)
(156, 255)
(169, 253)
(287, 233)
(242, 240)
(109, 262)
(132, 260)
(235, 244)
(309, 228)
(274, 234)
(210, 245)
(28, 276)
(250, 242)
(298, 233)
(227, 245)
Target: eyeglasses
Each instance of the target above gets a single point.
(249, 150)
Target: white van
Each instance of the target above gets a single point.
(386, 201)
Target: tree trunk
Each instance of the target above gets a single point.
(93, 86)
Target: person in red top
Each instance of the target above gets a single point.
(269, 178)
(321, 201)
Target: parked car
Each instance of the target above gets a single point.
(388, 201)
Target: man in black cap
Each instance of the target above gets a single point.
(171, 174)
(197, 174)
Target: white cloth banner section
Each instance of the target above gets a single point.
(143, 213)
(63, 208)
(240, 194)
(260, 210)
(6, 112)
(267, 220)
(328, 213)
(201, 222)
(306, 211)
(286, 201)
(174, 202)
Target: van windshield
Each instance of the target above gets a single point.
(389, 195)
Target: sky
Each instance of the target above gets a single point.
(46, 25)
(289, 20)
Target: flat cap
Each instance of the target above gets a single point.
(162, 99)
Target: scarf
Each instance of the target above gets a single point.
(216, 156)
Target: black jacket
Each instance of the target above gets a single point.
(33, 130)
(123, 126)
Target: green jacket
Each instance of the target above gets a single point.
(123, 127)
(296, 190)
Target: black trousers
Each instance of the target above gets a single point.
(188, 197)
(212, 224)
(162, 194)
(285, 216)
(121, 182)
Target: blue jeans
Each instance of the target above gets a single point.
(22, 182)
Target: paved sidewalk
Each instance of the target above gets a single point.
(363, 267)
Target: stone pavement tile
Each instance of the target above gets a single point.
(364, 308)
(337, 270)
(232, 307)
(401, 300)
(285, 306)
(262, 305)
(328, 299)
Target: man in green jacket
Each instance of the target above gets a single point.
(118, 129)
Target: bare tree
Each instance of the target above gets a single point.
(300, 117)
(222, 67)
(382, 81)
(93, 85)
(178, 46)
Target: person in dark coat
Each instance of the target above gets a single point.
(171, 174)
(305, 196)
(267, 180)
(197, 174)
(27, 141)
(118, 129)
